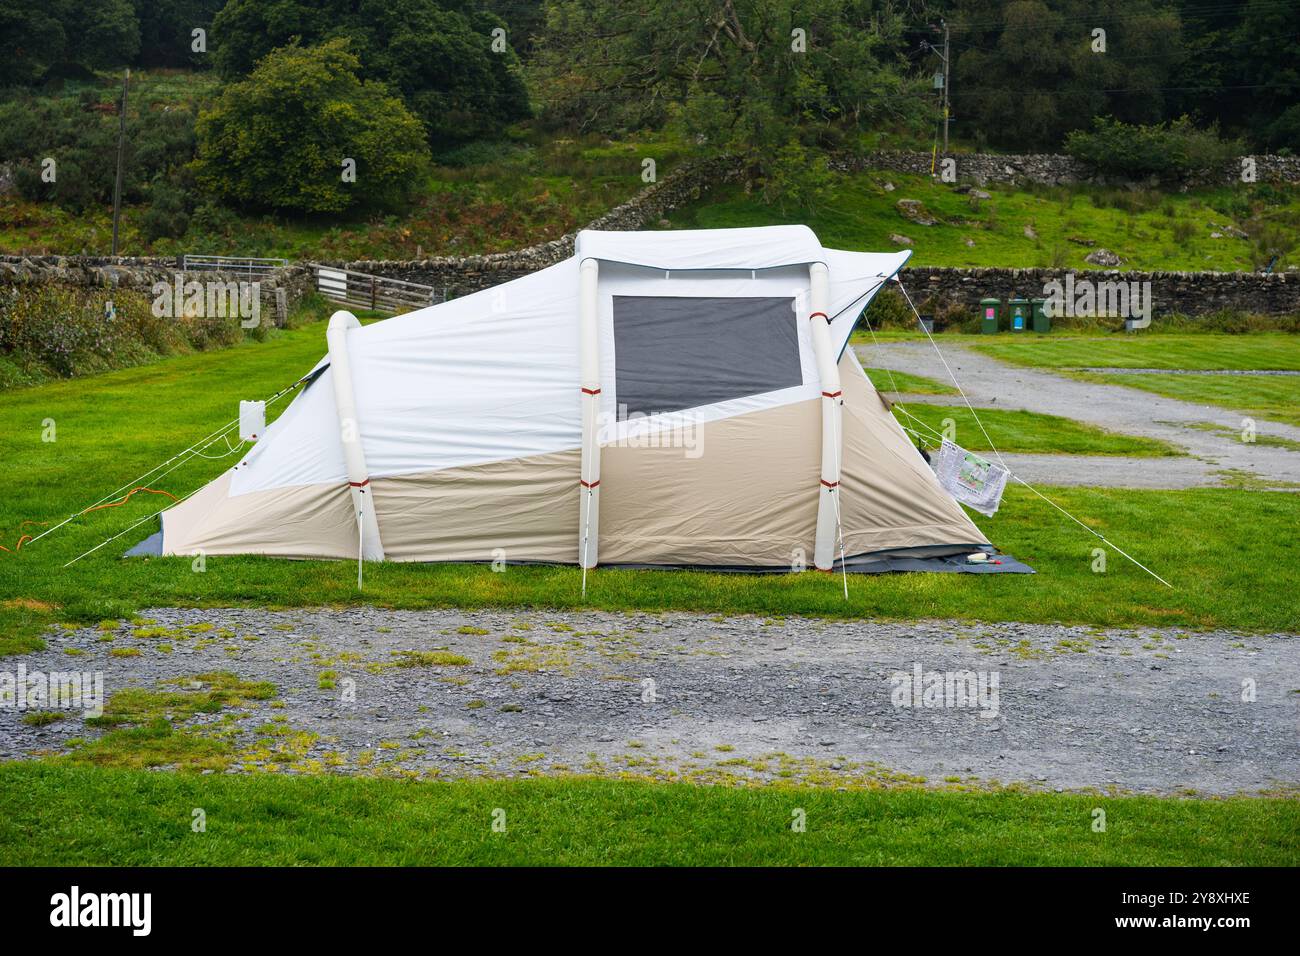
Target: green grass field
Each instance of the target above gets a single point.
(1275, 397)
(1021, 431)
(1259, 350)
(1260, 396)
(63, 816)
(1011, 431)
(1215, 545)
(1149, 230)
(888, 380)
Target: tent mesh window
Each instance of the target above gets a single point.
(677, 352)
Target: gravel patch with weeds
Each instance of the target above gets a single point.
(453, 693)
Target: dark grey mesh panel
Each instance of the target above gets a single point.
(675, 352)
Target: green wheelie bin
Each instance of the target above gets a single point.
(1042, 321)
(989, 309)
(1018, 318)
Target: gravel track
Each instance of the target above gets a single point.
(989, 383)
(740, 699)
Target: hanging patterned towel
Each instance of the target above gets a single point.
(972, 480)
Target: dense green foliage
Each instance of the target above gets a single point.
(59, 35)
(1028, 72)
(768, 81)
(1025, 72)
(80, 135)
(57, 331)
(280, 138)
(1168, 151)
(55, 38)
(167, 31)
(437, 53)
(781, 84)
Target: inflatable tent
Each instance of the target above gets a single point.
(678, 398)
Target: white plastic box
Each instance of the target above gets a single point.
(252, 420)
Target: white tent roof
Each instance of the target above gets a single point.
(761, 247)
(490, 376)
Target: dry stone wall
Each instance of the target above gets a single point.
(1048, 169)
(1189, 293)
(455, 276)
(144, 273)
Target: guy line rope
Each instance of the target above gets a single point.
(975, 415)
(156, 472)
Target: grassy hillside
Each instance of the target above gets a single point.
(496, 197)
(1025, 227)
(531, 187)
(483, 197)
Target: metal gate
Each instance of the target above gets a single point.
(367, 291)
(247, 265)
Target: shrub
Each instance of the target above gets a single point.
(58, 331)
(888, 310)
(278, 139)
(166, 216)
(82, 140)
(435, 54)
(1171, 152)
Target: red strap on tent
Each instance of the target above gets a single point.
(831, 394)
(591, 485)
(358, 484)
(822, 314)
(830, 484)
(590, 391)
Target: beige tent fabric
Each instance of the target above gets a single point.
(741, 491)
(527, 508)
(748, 497)
(889, 496)
(304, 521)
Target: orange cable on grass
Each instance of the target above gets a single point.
(26, 537)
(118, 504)
(112, 504)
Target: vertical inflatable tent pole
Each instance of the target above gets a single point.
(369, 546)
(832, 400)
(589, 481)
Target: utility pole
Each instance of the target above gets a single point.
(945, 86)
(941, 83)
(121, 143)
